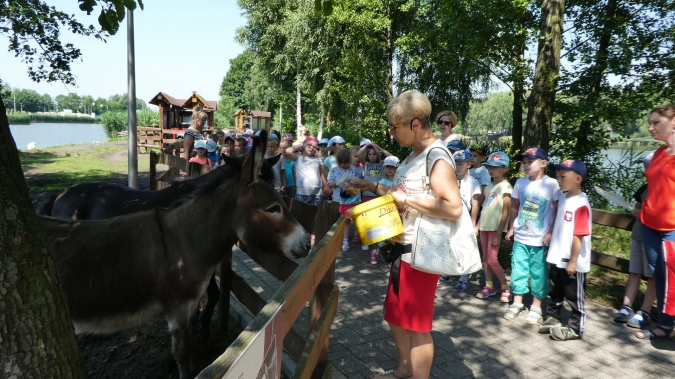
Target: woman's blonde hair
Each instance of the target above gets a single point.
(451, 114)
(408, 106)
(200, 115)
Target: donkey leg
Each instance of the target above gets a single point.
(181, 326)
(213, 295)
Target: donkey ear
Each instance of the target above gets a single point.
(233, 163)
(252, 166)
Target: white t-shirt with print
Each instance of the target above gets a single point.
(536, 210)
(467, 188)
(574, 218)
(409, 177)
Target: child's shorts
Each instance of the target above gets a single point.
(638, 259)
(344, 207)
(529, 261)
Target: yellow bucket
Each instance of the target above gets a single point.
(376, 220)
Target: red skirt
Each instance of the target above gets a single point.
(413, 307)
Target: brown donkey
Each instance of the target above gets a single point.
(122, 272)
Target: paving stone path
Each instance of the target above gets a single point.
(471, 338)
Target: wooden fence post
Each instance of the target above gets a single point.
(325, 218)
(153, 170)
(225, 288)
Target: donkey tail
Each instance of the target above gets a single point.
(47, 205)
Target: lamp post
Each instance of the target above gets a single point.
(104, 105)
(92, 107)
(281, 92)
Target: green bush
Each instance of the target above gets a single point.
(34, 117)
(18, 118)
(118, 121)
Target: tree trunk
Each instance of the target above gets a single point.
(519, 72)
(319, 133)
(36, 335)
(298, 108)
(544, 86)
(597, 73)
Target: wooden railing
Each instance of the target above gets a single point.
(176, 165)
(614, 220)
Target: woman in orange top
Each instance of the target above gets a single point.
(658, 219)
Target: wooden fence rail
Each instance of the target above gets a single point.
(614, 220)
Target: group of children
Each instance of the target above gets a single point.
(549, 221)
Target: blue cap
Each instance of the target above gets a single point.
(456, 145)
(365, 142)
(498, 158)
(336, 139)
(534, 153)
(572, 164)
(324, 141)
(461, 156)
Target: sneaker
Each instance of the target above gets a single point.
(549, 324)
(345, 246)
(444, 279)
(640, 320)
(364, 247)
(461, 285)
(505, 296)
(357, 238)
(373, 257)
(624, 314)
(513, 311)
(534, 317)
(486, 292)
(564, 333)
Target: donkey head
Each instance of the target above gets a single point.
(263, 220)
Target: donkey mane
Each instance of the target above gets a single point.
(215, 178)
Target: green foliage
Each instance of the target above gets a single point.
(118, 121)
(115, 122)
(64, 119)
(489, 115)
(147, 117)
(18, 118)
(33, 29)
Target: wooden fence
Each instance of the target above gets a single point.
(614, 220)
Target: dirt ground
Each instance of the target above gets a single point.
(144, 352)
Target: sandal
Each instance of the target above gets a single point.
(391, 372)
(650, 335)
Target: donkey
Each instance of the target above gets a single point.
(103, 200)
(121, 272)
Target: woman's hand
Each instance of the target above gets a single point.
(399, 195)
(361, 184)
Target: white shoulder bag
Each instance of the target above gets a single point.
(444, 247)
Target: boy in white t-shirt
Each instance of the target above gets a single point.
(533, 206)
(569, 253)
(469, 190)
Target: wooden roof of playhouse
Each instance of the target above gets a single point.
(189, 103)
(256, 120)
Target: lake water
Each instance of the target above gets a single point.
(55, 134)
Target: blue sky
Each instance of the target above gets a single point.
(180, 47)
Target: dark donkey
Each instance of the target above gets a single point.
(104, 200)
(121, 272)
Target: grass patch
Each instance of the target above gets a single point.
(54, 169)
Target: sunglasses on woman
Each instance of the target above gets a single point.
(446, 123)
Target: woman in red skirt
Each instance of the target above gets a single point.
(409, 306)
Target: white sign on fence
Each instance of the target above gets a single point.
(262, 358)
